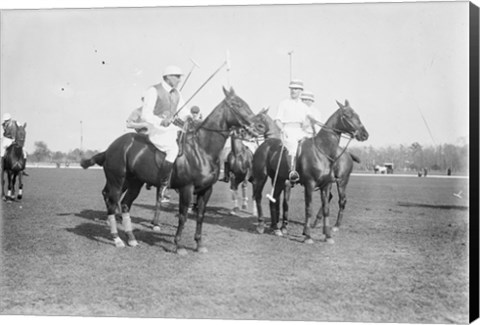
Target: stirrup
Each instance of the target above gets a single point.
(293, 176)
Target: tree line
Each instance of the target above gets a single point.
(412, 157)
(42, 154)
(415, 157)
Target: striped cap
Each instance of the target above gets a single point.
(307, 95)
(296, 84)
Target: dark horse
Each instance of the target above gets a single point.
(266, 160)
(132, 161)
(239, 162)
(342, 168)
(13, 163)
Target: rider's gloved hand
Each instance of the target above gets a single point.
(178, 122)
(166, 122)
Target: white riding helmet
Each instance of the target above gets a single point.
(6, 117)
(172, 70)
(296, 84)
(307, 95)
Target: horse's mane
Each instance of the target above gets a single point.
(231, 99)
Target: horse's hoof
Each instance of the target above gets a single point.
(284, 231)
(308, 241)
(244, 206)
(260, 229)
(182, 252)
(19, 197)
(156, 228)
(335, 229)
(330, 241)
(118, 242)
(278, 232)
(133, 243)
(234, 212)
(202, 250)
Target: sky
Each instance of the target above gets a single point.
(74, 75)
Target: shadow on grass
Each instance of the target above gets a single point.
(98, 230)
(214, 215)
(433, 206)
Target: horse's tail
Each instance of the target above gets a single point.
(98, 159)
(355, 158)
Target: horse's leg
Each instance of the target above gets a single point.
(234, 192)
(308, 189)
(275, 209)
(156, 216)
(258, 184)
(326, 211)
(286, 199)
(185, 197)
(342, 201)
(11, 184)
(202, 204)
(244, 195)
(20, 185)
(319, 216)
(134, 187)
(111, 195)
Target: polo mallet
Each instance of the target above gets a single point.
(270, 195)
(228, 68)
(195, 65)
(225, 63)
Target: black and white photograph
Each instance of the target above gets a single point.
(239, 162)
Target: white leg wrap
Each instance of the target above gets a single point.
(127, 222)
(20, 191)
(234, 198)
(9, 193)
(113, 224)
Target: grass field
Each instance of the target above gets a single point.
(400, 256)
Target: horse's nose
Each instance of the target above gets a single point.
(365, 135)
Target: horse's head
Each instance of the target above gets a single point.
(20, 134)
(239, 114)
(350, 122)
(264, 122)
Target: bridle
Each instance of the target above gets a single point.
(241, 118)
(349, 125)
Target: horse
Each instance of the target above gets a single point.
(316, 157)
(13, 163)
(239, 161)
(131, 161)
(265, 163)
(342, 168)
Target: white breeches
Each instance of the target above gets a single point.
(6, 142)
(291, 136)
(165, 139)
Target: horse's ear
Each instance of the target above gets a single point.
(339, 104)
(232, 92)
(225, 91)
(24, 125)
(347, 104)
(264, 110)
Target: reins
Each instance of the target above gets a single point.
(335, 131)
(225, 133)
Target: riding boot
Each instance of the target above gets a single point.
(293, 176)
(226, 172)
(167, 168)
